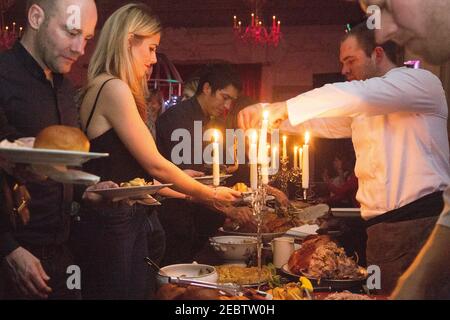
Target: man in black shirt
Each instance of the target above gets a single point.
(35, 95)
(188, 225)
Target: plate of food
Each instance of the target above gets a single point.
(135, 188)
(243, 276)
(322, 261)
(208, 180)
(272, 226)
(54, 145)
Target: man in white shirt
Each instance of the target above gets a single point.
(424, 27)
(397, 119)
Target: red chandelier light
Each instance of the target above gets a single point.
(7, 35)
(256, 33)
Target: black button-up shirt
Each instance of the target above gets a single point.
(28, 104)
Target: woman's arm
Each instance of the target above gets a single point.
(118, 107)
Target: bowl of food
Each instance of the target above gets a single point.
(234, 248)
(187, 271)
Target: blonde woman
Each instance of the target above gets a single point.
(113, 110)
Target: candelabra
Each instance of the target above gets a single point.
(284, 176)
(258, 205)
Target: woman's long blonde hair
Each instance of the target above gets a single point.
(112, 54)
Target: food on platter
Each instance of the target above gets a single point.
(241, 187)
(271, 224)
(293, 291)
(62, 138)
(346, 295)
(178, 292)
(242, 275)
(322, 258)
(136, 182)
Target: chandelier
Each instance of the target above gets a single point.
(7, 35)
(257, 33)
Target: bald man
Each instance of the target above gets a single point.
(424, 28)
(421, 26)
(35, 95)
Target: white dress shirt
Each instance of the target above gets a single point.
(444, 219)
(398, 124)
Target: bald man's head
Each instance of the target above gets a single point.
(422, 26)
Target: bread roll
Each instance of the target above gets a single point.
(62, 138)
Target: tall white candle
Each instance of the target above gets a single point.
(284, 147)
(274, 160)
(253, 157)
(300, 158)
(295, 157)
(216, 160)
(305, 175)
(262, 151)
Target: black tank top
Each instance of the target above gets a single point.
(120, 166)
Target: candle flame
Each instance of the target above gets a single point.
(284, 139)
(274, 17)
(279, 22)
(266, 115)
(216, 136)
(235, 17)
(253, 14)
(307, 137)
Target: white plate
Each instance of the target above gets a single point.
(48, 156)
(61, 174)
(303, 231)
(208, 180)
(130, 192)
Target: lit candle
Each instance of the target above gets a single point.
(274, 160)
(262, 152)
(274, 22)
(279, 23)
(253, 157)
(235, 22)
(305, 175)
(20, 31)
(240, 25)
(216, 160)
(253, 19)
(14, 27)
(284, 147)
(295, 157)
(300, 158)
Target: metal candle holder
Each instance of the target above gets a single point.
(258, 203)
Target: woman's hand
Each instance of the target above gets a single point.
(226, 196)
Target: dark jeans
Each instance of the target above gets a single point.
(396, 238)
(55, 260)
(111, 247)
(188, 227)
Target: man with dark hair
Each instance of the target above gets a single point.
(397, 119)
(33, 96)
(188, 225)
(366, 40)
